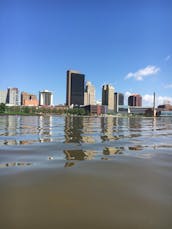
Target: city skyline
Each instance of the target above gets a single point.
(123, 43)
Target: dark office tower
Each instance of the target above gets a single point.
(118, 100)
(75, 88)
(135, 100)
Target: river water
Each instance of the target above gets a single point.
(85, 172)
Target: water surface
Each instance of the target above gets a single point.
(85, 172)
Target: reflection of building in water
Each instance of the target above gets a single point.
(45, 128)
(12, 125)
(89, 154)
(107, 125)
(89, 124)
(74, 154)
(135, 125)
(87, 139)
(111, 151)
(73, 129)
(79, 154)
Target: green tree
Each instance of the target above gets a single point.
(2, 108)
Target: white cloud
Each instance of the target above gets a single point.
(127, 93)
(167, 58)
(159, 100)
(163, 100)
(147, 100)
(141, 73)
(168, 86)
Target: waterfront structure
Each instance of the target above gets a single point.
(165, 107)
(45, 98)
(28, 99)
(75, 88)
(12, 97)
(3, 97)
(89, 94)
(108, 96)
(95, 109)
(164, 113)
(135, 100)
(118, 101)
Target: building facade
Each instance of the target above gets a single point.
(45, 98)
(28, 99)
(75, 88)
(95, 109)
(135, 100)
(12, 96)
(3, 96)
(118, 101)
(89, 94)
(108, 96)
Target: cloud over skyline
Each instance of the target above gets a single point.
(141, 73)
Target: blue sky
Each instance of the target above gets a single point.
(126, 43)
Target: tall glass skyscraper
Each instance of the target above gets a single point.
(75, 88)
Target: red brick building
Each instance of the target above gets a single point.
(28, 99)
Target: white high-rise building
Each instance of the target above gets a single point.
(13, 96)
(45, 98)
(3, 96)
(89, 94)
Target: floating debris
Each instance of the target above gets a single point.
(50, 158)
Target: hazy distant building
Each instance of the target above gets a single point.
(89, 94)
(166, 107)
(45, 98)
(75, 88)
(118, 100)
(108, 96)
(13, 96)
(3, 96)
(135, 100)
(28, 99)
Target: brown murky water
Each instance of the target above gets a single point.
(85, 172)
